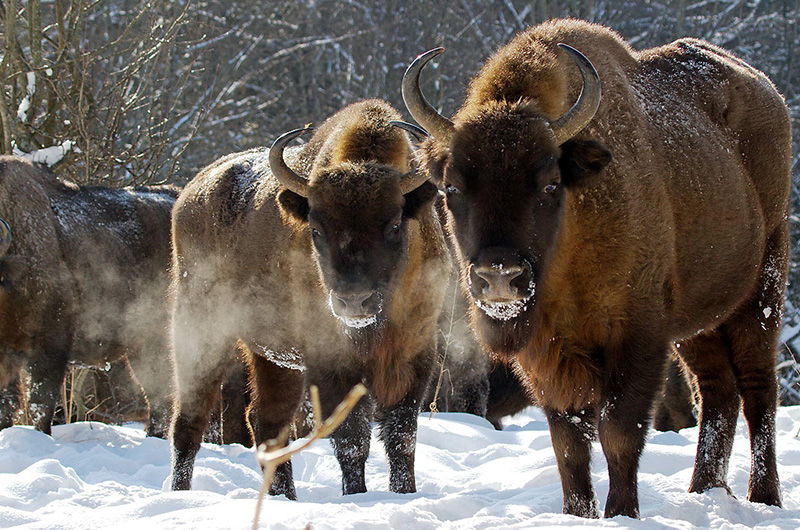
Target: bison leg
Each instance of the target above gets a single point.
(200, 364)
(9, 402)
(674, 408)
(708, 357)
(148, 367)
(625, 419)
(572, 433)
(351, 439)
(234, 406)
(275, 395)
(193, 407)
(398, 426)
(47, 372)
(754, 333)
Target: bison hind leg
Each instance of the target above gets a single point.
(708, 357)
(754, 333)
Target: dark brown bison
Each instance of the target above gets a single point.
(592, 238)
(326, 268)
(83, 279)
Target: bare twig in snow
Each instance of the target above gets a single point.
(273, 453)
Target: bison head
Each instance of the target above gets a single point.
(505, 169)
(357, 214)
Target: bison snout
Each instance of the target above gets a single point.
(356, 305)
(499, 283)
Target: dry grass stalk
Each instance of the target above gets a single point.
(273, 453)
(448, 340)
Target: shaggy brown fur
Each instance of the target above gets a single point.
(663, 220)
(261, 266)
(84, 281)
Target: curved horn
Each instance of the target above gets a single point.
(417, 132)
(412, 180)
(422, 111)
(584, 109)
(5, 237)
(286, 177)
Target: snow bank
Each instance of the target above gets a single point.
(469, 476)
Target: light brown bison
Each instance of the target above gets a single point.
(83, 279)
(327, 268)
(593, 237)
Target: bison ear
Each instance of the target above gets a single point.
(581, 160)
(293, 206)
(418, 198)
(433, 156)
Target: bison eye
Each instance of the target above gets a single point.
(551, 188)
(393, 230)
(451, 190)
(316, 235)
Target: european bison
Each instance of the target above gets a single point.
(83, 279)
(327, 270)
(592, 238)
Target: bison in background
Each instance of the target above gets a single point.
(329, 270)
(594, 237)
(83, 279)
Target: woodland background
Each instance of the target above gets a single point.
(121, 92)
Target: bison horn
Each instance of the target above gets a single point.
(286, 177)
(416, 131)
(415, 178)
(412, 180)
(422, 111)
(585, 108)
(5, 237)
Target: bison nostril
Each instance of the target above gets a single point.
(498, 273)
(495, 281)
(358, 304)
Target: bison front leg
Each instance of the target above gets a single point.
(47, 371)
(276, 392)
(351, 439)
(632, 383)
(398, 427)
(200, 362)
(572, 433)
(9, 401)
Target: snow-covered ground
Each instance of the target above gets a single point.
(90, 475)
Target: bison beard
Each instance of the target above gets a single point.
(654, 215)
(334, 252)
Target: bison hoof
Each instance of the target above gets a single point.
(582, 507)
(771, 497)
(700, 486)
(625, 511)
